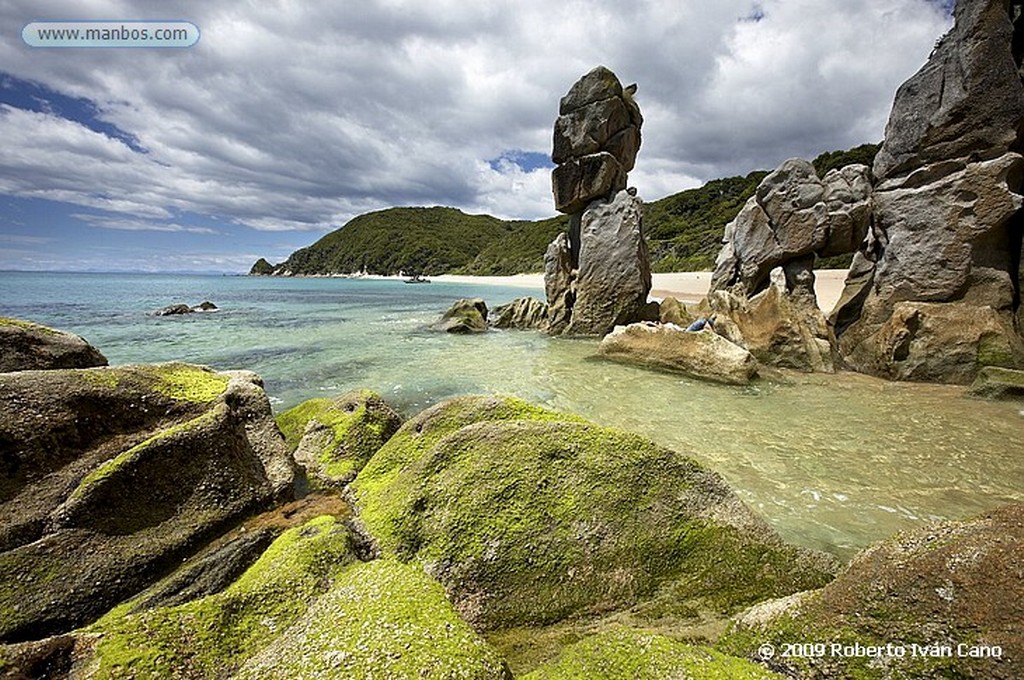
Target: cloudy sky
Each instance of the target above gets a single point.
(287, 119)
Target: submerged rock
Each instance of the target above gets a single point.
(333, 438)
(463, 317)
(639, 655)
(998, 383)
(27, 346)
(174, 310)
(112, 475)
(953, 591)
(529, 516)
(703, 354)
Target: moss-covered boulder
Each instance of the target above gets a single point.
(110, 476)
(948, 598)
(333, 438)
(994, 382)
(308, 608)
(527, 516)
(27, 346)
(468, 315)
(638, 655)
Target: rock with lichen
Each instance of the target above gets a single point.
(639, 655)
(308, 607)
(951, 591)
(28, 346)
(112, 475)
(465, 316)
(333, 438)
(528, 516)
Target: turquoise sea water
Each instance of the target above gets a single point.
(834, 462)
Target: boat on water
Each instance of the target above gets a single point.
(417, 279)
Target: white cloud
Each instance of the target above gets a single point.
(299, 115)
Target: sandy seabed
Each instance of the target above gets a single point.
(686, 286)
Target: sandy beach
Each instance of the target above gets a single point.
(686, 286)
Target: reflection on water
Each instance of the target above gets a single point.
(834, 462)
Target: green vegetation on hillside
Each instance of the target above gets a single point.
(400, 240)
(684, 233)
(520, 250)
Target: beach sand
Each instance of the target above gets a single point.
(685, 286)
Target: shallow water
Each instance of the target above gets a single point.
(834, 462)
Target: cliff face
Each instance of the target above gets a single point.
(938, 291)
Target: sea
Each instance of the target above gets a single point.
(833, 462)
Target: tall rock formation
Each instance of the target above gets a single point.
(598, 275)
(935, 290)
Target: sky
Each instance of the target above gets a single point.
(287, 119)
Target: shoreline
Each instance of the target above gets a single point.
(689, 287)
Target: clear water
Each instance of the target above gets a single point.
(834, 462)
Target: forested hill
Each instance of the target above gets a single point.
(684, 233)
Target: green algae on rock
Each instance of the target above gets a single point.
(949, 596)
(638, 655)
(114, 475)
(527, 516)
(994, 382)
(333, 438)
(380, 619)
(213, 636)
(307, 608)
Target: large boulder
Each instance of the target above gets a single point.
(27, 346)
(792, 216)
(702, 354)
(524, 313)
(950, 597)
(579, 181)
(934, 342)
(333, 438)
(614, 268)
(528, 516)
(779, 329)
(307, 608)
(966, 99)
(597, 275)
(639, 655)
(465, 316)
(110, 476)
(947, 219)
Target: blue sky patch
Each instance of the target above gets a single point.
(29, 96)
(527, 161)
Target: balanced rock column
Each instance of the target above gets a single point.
(597, 275)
